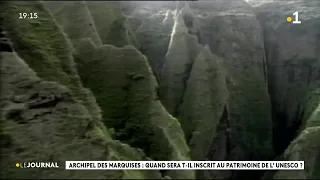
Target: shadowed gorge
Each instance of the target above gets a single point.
(159, 81)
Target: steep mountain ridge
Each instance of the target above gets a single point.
(293, 63)
(45, 120)
(130, 104)
(234, 78)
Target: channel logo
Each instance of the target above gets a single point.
(37, 165)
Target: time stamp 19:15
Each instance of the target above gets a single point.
(24, 15)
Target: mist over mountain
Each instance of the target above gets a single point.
(208, 80)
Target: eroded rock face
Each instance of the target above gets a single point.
(292, 52)
(154, 34)
(76, 20)
(305, 146)
(111, 10)
(222, 79)
(54, 120)
(182, 51)
(42, 121)
(204, 100)
(147, 126)
(33, 120)
(130, 104)
(115, 29)
(232, 31)
(55, 54)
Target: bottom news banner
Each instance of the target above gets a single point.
(185, 165)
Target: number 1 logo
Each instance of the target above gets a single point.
(296, 19)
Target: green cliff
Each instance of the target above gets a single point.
(43, 121)
(130, 105)
(182, 51)
(168, 81)
(46, 114)
(203, 103)
(154, 34)
(76, 21)
(227, 29)
(146, 126)
(294, 67)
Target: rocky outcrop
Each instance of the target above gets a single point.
(154, 34)
(293, 62)
(292, 52)
(104, 15)
(147, 126)
(230, 81)
(182, 51)
(304, 147)
(130, 104)
(203, 103)
(47, 120)
(46, 115)
(42, 121)
(55, 54)
(76, 20)
(232, 32)
(115, 29)
(91, 18)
